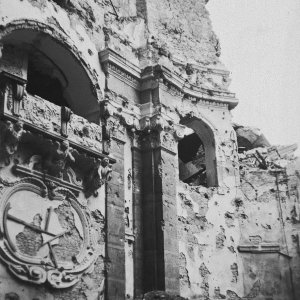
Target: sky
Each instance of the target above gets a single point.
(260, 42)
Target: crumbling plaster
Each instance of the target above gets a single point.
(48, 17)
(239, 237)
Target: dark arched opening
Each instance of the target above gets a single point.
(52, 71)
(197, 154)
(191, 155)
(45, 79)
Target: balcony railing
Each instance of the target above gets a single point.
(46, 118)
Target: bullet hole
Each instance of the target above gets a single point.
(235, 272)
(238, 202)
(11, 296)
(229, 219)
(231, 249)
(244, 216)
(220, 238)
(74, 259)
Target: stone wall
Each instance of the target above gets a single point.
(139, 74)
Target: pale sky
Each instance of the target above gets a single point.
(260, 41)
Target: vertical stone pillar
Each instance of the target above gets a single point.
(115, 251)
(161, 270)
(137, 216)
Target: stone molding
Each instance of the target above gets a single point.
(53, 159)
(52, 121)
(118, 66)
(261, 248)
(59, 36)
(147, 78)
(74, 185)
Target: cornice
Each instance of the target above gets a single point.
(261, 248)
(180, 87)
(115, 64)
(159, 76)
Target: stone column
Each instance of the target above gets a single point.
(160, 163)
(137, 216)
(115, 251)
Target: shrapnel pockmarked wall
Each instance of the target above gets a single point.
(121, 173)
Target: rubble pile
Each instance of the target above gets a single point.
(256, 152)
(273, 157)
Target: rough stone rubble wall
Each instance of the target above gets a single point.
(182, 30)
(218, 230)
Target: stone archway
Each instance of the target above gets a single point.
(80, 85)
(207, 138)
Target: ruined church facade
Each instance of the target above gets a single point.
(121, 173)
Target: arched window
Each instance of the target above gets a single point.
(191, 155)
(197, 154)
(45, 79)
(54, 72)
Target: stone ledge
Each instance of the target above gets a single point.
(148, 78)
(261, 248)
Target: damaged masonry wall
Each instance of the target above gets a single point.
(136, 74)
(242, 243)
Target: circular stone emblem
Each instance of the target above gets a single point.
(45, 239)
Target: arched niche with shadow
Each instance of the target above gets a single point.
(197, 154)
(54, 71)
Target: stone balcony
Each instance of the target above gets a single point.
(47, 119)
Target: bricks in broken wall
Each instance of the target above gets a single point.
(121, 174)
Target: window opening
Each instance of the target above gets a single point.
(191, 155)
(45, 79)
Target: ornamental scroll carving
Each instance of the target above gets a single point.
(47, 239)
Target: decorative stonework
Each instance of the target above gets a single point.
(114, 64)
(10, 135)
(65, 119)
(123, 75)
(56, 160)
(45, 236)
(63, 39)
(71, 181)
(85, 133)
(100, 174)
(41, 113)
(152, 76)
(55, 120)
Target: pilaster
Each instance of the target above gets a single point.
(159, 206)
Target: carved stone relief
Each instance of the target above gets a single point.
(100, 174)
(41, 113)
(56, 160)
(84, 133)
(11, 134)
(45, 237)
